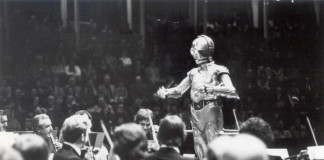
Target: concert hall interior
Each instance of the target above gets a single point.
(225, 79)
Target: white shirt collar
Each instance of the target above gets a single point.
(76, 148)
(175, 148)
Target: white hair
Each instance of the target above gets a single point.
(74, 126)
(240, 147)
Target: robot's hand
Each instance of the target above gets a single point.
(162, 92)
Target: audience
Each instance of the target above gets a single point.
(130, 142)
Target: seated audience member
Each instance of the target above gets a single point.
(42, 125)
(259, 128)
(240, 147)
(130, 142)
(171, 135)
(99, 153)
(3, 121)
(13, 124)
(72, 69)
(32, 147)
(74, 131)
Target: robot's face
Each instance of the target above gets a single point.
(195, 54)
(198, 45)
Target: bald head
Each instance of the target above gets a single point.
(240, 147)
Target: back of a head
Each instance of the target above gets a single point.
(259, 128)
(171, 131)
(84, 113)
(32, 147)
(130, 141)
(7, 152)
(240, 147)
(74, 126)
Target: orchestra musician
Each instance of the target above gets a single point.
(42, 126)
(93, 153)
(142, 118)
(75, 133)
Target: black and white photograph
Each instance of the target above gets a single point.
(161, 79)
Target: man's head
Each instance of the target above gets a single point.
(7, 152)
(130, 141)
(85, 114)
(142, 118)
(107, 79)
(240, 147)
(36, 101)
(101, 101)
(202, 49)
(70, 99)
(259, 128)
(42, 125)
(75, 130)
(72, 81)
(51, 100)
(32, 147)
(3, 121)
(171, 131)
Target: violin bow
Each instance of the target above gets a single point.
(311, 129)
(111, 153)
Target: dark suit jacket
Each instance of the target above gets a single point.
(66, 153)
(167, 154)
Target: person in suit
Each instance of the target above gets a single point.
(74, 131)
(130, 142)
(171, 135)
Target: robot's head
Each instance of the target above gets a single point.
(202, 49)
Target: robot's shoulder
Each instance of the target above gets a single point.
(192, 71)
(219, 68)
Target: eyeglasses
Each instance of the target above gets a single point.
(145, 125)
